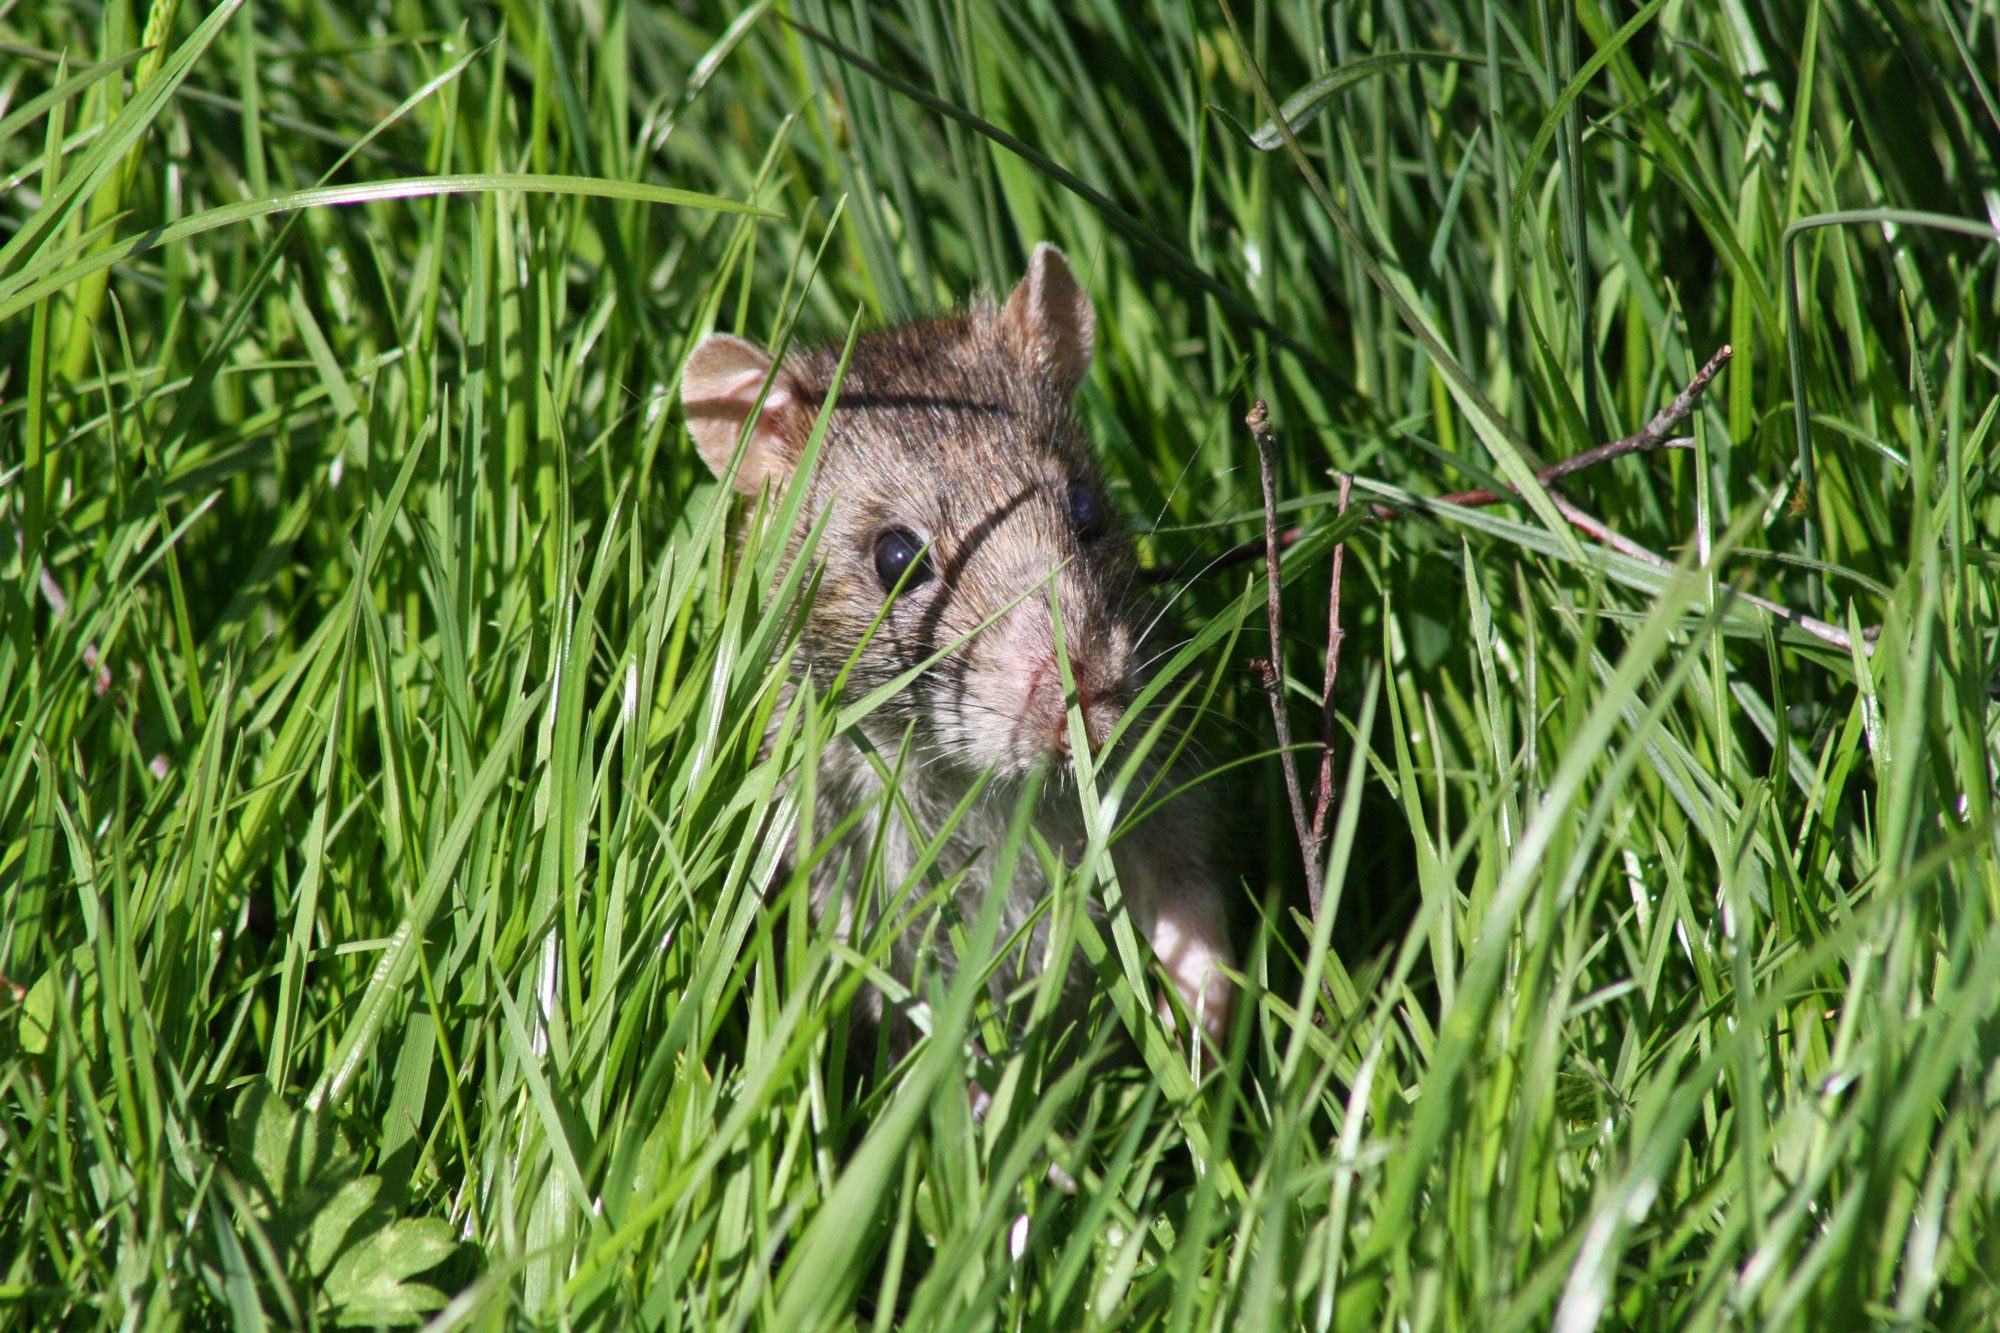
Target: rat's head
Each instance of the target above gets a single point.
(960, 492)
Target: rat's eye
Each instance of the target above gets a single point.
(1086, 509)
(895, 551)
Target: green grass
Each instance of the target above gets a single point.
(388, 901)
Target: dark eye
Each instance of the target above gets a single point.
(895, 551)
(1086, 509)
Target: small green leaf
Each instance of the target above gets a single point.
(293, 1157)
(366, 1284)
(38, 1014)
(330, 1225)
(404, 1303)
(328, 1219)
(38, 1021)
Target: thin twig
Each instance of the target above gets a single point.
(1631, 444)
(1657, 435)
(1674, 413)
(1273, 668)
(1598, 530)
(1335, 635)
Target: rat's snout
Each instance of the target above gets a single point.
(1016, 696)
(1098, 686)
(1101, 703)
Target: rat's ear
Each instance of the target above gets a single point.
(719, 391)
(1049, 320)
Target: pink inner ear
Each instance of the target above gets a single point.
(737, 395)
(719, 392)
(744, 392)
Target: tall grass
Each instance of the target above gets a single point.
(394, 898)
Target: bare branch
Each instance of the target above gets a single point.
(1658, 434)
(1598, 530)
(1603, 453)
(1335, 636)
(1273, 668)
(1674, 413)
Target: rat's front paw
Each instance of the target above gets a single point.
(1194, 954)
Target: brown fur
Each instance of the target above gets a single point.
(960, 430)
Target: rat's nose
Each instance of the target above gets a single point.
(1097, 701)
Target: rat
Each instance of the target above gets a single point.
(958, 488)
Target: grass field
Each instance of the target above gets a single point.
(395, 918)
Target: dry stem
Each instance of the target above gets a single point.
(1311, 828)
(1658, 434)
(1273, 668)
